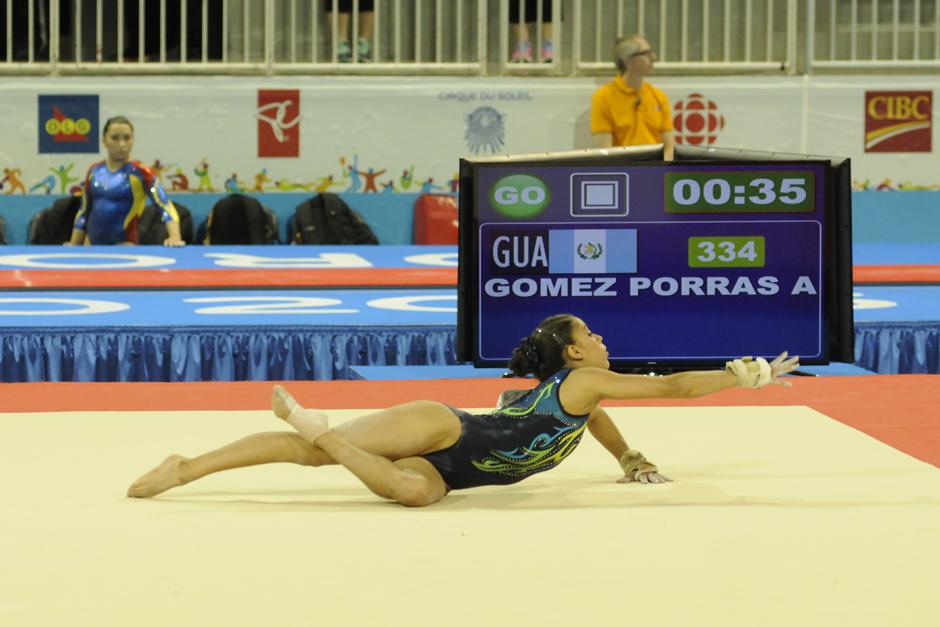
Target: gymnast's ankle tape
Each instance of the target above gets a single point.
(309, 423)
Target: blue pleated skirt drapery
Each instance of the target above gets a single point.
(207, 354)
(324, 353)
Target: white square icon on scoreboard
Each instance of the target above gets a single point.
(598, 194)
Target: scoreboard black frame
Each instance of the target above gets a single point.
(678, 264)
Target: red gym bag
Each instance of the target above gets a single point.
(435, 219)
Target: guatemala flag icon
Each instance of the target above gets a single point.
(592, 251)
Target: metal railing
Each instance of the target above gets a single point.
(407, 36)
(461, 36)
(239, 36)
(690, 36)
(873, 34)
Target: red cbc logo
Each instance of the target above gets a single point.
(278, 116)
(898, 121)
(697, 121)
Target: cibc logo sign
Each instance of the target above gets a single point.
(898, 121)
(519, 196)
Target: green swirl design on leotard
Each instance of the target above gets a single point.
(532, 459)
(545, 451)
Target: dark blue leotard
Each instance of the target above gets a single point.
(531, 435)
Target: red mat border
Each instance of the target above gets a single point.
(879, 275)
(229, 278)
(902, 411)
(323, 277)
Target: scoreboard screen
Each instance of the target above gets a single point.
(680, 263)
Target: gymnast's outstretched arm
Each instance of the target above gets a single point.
(585, 387)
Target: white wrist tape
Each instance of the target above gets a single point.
(634, 463)
(765, 373)
(750, 374)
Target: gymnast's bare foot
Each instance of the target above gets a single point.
(309, 423)
(282, 402)
(167, 475)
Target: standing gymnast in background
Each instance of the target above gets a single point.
(115, 193)
(417, 452)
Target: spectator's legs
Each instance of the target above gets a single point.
(364, 45)
(548, 48)
(341, 36)
(523, 48)
(366, 22)
(343, 24)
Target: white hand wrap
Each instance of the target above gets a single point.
(750, 374)
(634, 464)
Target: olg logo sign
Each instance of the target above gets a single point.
(519, 196)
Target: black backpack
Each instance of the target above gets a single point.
(52, 226)
(238, 219)
(151, 229)
(326, 219)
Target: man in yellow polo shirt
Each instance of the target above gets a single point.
(628, 111)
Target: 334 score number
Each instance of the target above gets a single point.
(757, 191)
(727, 252)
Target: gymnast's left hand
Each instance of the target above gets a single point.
(652, 476)
(175, 243)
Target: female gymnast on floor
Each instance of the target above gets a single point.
(115, 192)
(415, 453)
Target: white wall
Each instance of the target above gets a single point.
(396, 123)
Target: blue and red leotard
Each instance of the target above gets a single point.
(112, 202)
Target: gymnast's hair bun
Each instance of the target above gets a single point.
(525, 358)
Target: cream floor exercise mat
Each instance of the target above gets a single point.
(777, 516)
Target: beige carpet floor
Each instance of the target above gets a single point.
(777, 516)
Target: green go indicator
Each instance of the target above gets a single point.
(726, 252)
(755, 191)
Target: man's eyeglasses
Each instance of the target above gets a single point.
(648, 51)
